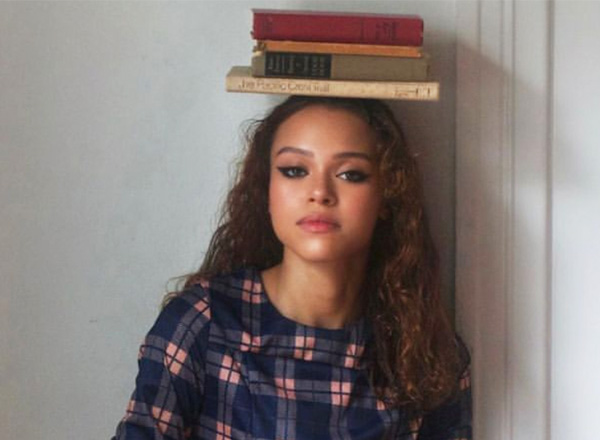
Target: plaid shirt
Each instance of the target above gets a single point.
(222, 363)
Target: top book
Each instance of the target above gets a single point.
(337, 27)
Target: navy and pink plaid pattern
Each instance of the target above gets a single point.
(222, 363)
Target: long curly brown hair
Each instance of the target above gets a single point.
(415, 358)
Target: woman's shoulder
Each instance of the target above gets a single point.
(184, 318)
(207, 295)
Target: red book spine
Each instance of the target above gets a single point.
(336, 27)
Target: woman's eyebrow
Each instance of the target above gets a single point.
(295, 150)
(353, 154)
(341, 155)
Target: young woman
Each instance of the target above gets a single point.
(316, 313)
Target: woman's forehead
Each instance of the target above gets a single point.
(318, 126)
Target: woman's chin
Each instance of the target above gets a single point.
(326, 255)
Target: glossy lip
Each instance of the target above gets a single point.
(318, 223)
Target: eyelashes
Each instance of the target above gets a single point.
(292, 172)
(353, 176)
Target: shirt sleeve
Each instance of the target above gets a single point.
(453, 419)
(169, 386)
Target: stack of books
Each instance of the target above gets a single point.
(336, 54)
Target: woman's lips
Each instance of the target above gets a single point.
(316, 223)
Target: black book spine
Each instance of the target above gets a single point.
(303, 65)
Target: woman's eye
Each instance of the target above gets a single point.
(292, 172)
(353, 176)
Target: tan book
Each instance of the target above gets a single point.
(340, 48)
(240, 79)
(339, 66)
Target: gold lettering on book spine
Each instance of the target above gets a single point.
(261, 85)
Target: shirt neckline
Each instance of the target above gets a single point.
(256, 275)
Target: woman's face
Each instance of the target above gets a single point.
(325, 191)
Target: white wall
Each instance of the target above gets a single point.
(116, 139)
(528, 192)
(576, 222)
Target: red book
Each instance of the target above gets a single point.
(337, 27)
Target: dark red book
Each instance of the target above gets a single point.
(337, 27)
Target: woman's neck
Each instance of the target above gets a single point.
(323, 295)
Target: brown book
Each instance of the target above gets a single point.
(339, 48)
(240, 79)
(338, 66)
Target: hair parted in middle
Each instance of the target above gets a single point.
(415, 359)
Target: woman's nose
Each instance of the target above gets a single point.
(323, 191)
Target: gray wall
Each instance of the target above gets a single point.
(116, 144)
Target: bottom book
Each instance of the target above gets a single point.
(240, 79)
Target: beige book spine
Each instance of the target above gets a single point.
(240, 79)
(339, 48)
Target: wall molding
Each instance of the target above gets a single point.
(503, 222)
